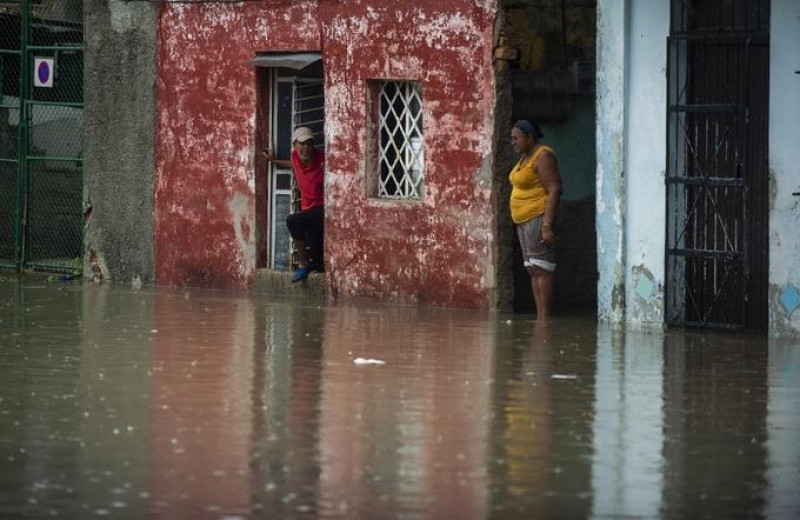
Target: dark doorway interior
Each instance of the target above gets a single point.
(552, 83)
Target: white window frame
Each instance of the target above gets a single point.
(276, 171)
(400, 142)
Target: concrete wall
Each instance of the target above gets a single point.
(631, 150)
(438, 250)
(631, 162)
(784, 162)
(645, 160)
(611, 190)
(119, 75)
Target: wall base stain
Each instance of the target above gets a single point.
(648, 297)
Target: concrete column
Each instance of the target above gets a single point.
(645, 160)
(119, 96)
(784, 163)
(611, 193)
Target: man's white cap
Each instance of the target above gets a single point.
(302, 134)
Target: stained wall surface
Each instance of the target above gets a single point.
(438, 249)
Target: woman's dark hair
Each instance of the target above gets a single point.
(526, 127)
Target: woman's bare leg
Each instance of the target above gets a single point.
(542, 284)
(547, 282)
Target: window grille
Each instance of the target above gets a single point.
(401, 152)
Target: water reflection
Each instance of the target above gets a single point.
(542, 432)
(715, 425)
(200, 407)
(170, 404)
(409, 436)
(628, 429)
(783, 431)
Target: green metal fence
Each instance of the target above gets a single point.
(41, 134)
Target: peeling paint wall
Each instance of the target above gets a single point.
(205, 179)
(784, 161)
(631, 194)
(645, 161)
(119, 75)
(611, 192)
(438, 250)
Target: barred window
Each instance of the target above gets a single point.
(401, 152)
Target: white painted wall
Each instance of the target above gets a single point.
(611, 22)
(784, 162)
(645, 159)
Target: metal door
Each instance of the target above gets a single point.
(717, 174)
(41, 134)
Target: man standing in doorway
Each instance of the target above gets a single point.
(307, 227)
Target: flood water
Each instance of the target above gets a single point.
(172, 404)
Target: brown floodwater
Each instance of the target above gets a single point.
(160, 403)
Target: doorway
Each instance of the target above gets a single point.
(717, 171)
(552, 83)
(288, 98)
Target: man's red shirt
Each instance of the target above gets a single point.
(310, 180)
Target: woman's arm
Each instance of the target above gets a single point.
(547, 168)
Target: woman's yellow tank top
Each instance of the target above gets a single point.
(528, 196)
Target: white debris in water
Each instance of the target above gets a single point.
(564, 376)
(508, 322)
(368, 361)
(153, 330)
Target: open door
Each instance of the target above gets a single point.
(288, 98)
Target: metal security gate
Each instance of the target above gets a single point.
(717, 175)
(41, 134)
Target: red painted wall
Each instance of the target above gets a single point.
(206, 97)
(439, 250)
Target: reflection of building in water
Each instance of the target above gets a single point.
(202, 380)
(680, 426)
(627, 435)
(715, 426)
(286, 399)
(784, 431)
(543, 427)
(409, 437)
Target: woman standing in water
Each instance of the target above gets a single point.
(535, 194)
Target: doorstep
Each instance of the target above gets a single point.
(279, 283)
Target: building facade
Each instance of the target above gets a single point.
(685, 189)
(697, 185)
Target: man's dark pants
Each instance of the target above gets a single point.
(309, 226)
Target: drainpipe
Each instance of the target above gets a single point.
(612, 29)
